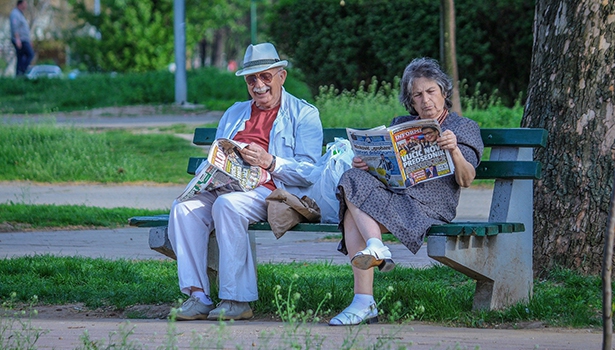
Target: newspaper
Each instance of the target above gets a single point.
(225, 167)
(402, 155)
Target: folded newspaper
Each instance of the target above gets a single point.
(225, 167)
(402, 155)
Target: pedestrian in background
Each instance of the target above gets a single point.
(20, 37)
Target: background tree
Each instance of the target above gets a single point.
(448, 50)
(137, 35)
(572, 94)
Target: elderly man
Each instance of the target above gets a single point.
(284, 135)
(20, 37)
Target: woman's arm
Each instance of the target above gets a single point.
(464, 170)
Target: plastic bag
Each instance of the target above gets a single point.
(325, 176)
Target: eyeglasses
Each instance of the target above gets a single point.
(265, 77)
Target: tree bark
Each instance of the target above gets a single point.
(607, 271)
(448, 51)
(571, 94)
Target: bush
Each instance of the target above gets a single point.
(344, 45)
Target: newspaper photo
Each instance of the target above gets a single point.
(225, 167)
(402, 155)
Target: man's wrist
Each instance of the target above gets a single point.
(272, 164)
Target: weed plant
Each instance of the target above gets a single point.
(16, 329)
(436, 294)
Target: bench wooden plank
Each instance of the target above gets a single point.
(512, 169)
(486, 169)
(512, 137)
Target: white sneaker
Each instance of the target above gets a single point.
(193, 309)
(231, 310)
(372, 257)
(351, 316)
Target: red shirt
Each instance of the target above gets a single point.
(258, 129)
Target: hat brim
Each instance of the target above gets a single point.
(264, 67)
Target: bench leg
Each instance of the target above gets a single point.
(500, 265)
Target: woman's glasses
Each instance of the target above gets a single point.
(265, 77)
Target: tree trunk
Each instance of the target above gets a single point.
(218, 58)
(571, 94)
(448, 51)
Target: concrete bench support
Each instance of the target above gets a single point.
(501, 264)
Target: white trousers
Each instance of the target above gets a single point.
(190, 224)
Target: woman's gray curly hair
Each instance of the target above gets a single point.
(424, 68)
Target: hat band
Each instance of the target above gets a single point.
(260, 62)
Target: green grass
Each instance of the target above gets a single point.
(56, 216)
(436, 294)
(48, 153)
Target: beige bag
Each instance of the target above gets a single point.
(285, 210)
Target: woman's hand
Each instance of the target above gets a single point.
(256, 155)
(448, 140)
(464, 171)
(359, 163)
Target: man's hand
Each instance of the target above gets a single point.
(18, 43)
(256, 155)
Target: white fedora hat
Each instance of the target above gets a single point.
(259, 58)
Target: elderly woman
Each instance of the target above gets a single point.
(368, 208)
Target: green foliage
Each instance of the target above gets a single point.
(127, 36)
(377, 104)
(344, 45)
(215, 89)
(50, 216)
(366, 107)
(138, 35)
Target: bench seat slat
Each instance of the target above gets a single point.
(475, 228)
(452, 229)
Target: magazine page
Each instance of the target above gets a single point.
(421, 157)
(376, 149)
(225, 155)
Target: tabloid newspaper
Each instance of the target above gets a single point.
(225, 167)
(402, 155)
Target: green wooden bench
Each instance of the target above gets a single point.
(496, 253)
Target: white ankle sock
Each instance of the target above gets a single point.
(362, 301)
(205, 299)
(375, 243)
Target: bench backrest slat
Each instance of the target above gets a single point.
(516, 137)
(513, 137)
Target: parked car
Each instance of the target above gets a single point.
(44, 71)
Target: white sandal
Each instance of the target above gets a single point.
(371, 257)
(351, 316)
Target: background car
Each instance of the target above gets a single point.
(44, 71)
